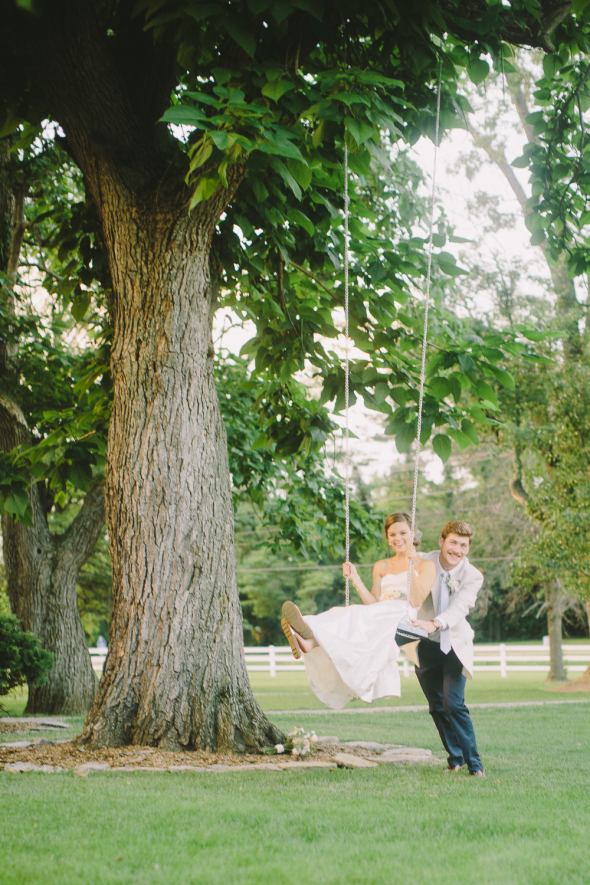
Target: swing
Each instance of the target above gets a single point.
(406, 631)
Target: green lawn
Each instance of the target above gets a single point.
(290, 691)
(525, 824)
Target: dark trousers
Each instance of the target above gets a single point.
(442, 681)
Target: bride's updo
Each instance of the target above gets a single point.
(402, 516)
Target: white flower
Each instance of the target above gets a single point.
(314, 738)
(295, 751)
(279, 748)
(454, 585)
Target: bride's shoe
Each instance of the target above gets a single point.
(291, 638)
(292, 614)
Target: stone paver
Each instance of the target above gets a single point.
(19, 767)
(347, 760)
(302, 766)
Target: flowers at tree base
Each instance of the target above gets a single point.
(298, 743)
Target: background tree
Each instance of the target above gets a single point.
(38, 376)
(535, 412)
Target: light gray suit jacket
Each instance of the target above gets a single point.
(461, 601)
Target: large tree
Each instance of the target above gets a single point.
(267, 90)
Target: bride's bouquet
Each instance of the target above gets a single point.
(298, 743)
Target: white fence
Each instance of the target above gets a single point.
(501, 658)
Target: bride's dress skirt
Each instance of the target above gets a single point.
(357, 653)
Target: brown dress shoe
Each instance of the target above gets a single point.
(291, 638)
(292, 614)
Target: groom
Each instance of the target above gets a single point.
(445, 660)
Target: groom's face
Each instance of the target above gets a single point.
(452, 550)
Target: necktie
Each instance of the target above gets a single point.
(443, 604)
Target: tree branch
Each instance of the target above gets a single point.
(79, 540)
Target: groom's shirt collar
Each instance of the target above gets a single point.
(452, 572)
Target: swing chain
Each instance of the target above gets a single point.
(346, 376)
(424, 347)
(425, 332)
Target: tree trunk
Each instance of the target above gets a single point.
(553, 599)
(41, 577)
(42, 569)
(175, 674)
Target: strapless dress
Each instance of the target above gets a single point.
(357, 653)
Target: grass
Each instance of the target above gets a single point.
(525, 824)
(291, 691)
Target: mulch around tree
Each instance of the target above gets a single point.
(68, 755)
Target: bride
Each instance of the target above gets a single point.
(351, 652)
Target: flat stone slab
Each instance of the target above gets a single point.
(400, 759)
(19, 767)
(327, 739)
(93, 766)
(347, 760)
(302, 766)
(405, 751)
(371, 746)
(16, 745)
(31, 720)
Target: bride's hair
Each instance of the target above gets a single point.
(402, 516)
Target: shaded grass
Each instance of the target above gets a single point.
(525, 823)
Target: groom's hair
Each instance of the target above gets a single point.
(456, 527)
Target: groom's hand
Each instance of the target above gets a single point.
(429, 626)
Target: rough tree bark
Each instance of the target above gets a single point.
(42, 568)
(41, 576)
(175, 674)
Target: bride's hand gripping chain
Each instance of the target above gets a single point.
(349, 570)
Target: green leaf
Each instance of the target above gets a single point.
(241, 34)
(442, 446)
(205, 189)
(276, 88)
(360, 131)
(184, 115)
(503, 377)
(551, 63)
(520, 163)
(460, 438)
(314, 7)
(405, 437)
(537, 238)
(469, 430)
(79, 473)
(301, 172)
(302, 220)
(80, 305)
(466, 362)
(486, 393)
(203, 10)
(440, 388)
(448, 265)
(478, 71)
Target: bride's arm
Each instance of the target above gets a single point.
(422, 581)
(368, 597)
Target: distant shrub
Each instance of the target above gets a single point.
(21, 657)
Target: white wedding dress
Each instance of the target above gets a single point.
(357, 652)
